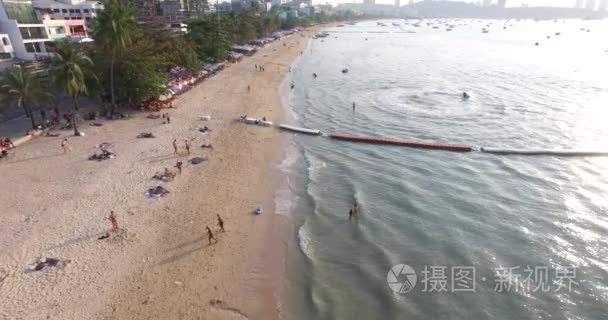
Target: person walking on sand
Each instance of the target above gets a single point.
(178, 165)
(114, 220)
(210, 235)
(64, 146)
(220, 223)
(175, 149)
(187, 146)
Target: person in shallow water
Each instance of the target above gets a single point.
(465, 96)
(353, 106)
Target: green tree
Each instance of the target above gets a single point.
(23, 89)
(113, 31)
(69, 70)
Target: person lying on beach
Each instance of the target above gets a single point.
(204, 129)
(207, 146)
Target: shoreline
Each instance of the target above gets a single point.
(161, 266)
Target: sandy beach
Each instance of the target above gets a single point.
(160, 266)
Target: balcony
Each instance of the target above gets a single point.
(33, 33)
(23, 12)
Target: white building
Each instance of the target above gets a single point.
(31, 27)
(278, 2)
(69, 9)
(6, 49)
(26, 32)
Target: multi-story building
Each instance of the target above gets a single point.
(6, 49)
(170, 8)
(224, 7)
(278, 2)
(69, 9)
(26, 32)
(32, 27)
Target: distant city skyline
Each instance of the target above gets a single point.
(510, 3)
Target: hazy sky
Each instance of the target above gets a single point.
(510, 3)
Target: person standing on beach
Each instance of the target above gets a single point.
(256, 67)
(350, 214)
(114, 220)
(210, 235)
(175, 150)
(220, 223)
(248, 88)
(64, 146)
(187, 146)
(178, 165)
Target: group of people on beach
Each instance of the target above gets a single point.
(259, 68)
(176, 147)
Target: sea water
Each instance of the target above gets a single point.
(529, 230)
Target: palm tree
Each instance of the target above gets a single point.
(70, 68)
(114, 30)
(23, 89)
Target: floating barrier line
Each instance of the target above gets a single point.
(300, 130)
(404, 143)
(548, 152)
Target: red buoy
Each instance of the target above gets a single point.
(404, 143)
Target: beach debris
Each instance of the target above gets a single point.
(102, 155)
(204, 118)
(158, 192)
(44, 262)
(197, 160)
(164, 176)
(146, 135)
